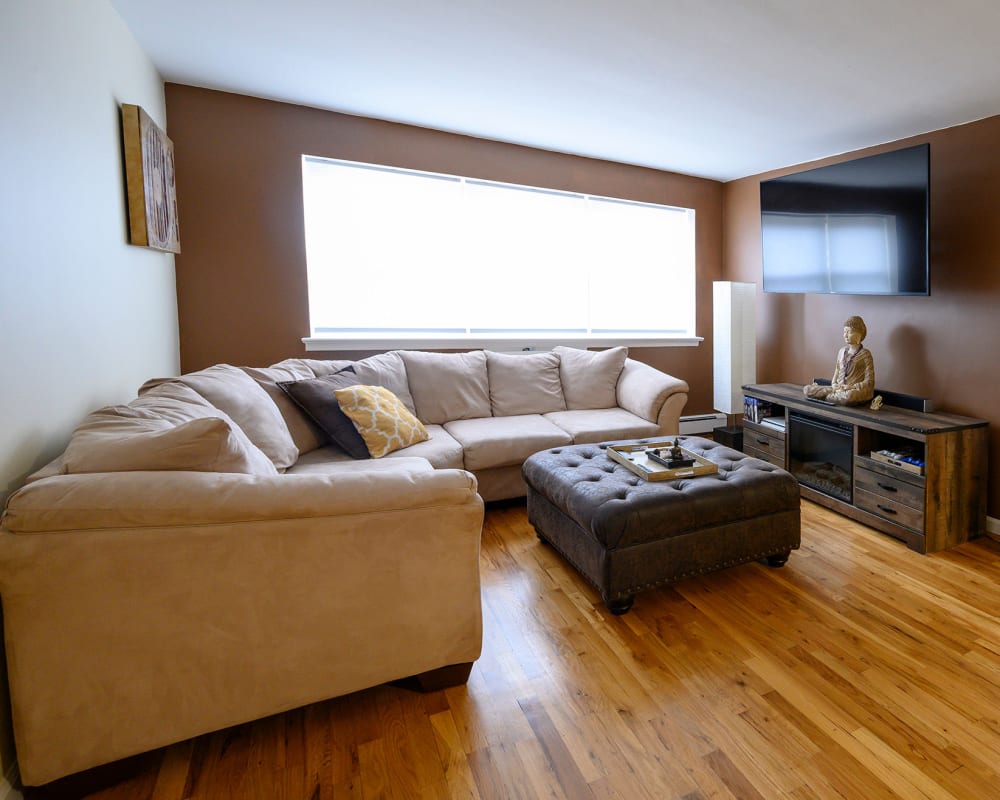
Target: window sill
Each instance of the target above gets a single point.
(496, 342)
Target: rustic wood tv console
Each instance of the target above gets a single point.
(918, 476)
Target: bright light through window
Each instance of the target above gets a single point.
(393, 251)
(840, 253)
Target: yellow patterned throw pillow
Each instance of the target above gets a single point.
(381, 418)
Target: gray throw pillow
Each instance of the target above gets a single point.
(318, 400)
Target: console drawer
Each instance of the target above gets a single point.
(889, 487)
(891, 510)
(764, 443)
(764, 455)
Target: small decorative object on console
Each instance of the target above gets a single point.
(853, 379)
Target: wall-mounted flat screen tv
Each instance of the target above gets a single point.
(857, 227)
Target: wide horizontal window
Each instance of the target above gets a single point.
(430, 257)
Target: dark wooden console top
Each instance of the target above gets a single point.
(915, 424)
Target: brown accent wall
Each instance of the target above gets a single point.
(942, 346)
(241, 278)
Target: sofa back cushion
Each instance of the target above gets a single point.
(306, 436)
(127, 438)
(448, 386)
(590, 379)
(388, 371)
(239, 396)
(312, 367)
(524, 384)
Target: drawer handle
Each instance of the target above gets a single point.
(886, 510)
(763, 442)
(888, 488)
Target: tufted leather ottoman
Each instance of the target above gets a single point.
(625, 534)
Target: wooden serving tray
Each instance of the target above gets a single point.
(635, 458)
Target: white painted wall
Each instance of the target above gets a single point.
(85, 317)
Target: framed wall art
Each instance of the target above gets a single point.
(149, 178)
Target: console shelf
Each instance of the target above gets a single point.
(931, 506)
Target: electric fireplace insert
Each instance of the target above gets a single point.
(821, 454)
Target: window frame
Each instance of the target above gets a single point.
(525, 340)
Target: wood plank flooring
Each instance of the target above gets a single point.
(859, 670)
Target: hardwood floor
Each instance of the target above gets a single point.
(859, 670)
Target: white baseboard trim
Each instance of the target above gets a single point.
(702, 423)
(993, 528)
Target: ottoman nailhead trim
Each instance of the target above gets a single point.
(707, 571)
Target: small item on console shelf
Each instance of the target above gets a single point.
(906, 460)
(755, 409)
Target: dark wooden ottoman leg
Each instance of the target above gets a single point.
(621, 605)
(778, 559)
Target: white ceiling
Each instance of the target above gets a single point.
(716, 88)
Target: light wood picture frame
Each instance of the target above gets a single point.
(150, 182)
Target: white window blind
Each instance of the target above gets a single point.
(402, 253)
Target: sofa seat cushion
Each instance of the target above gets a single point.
(331, 460)
(602, 425)
(448, 386)
(441, 451)
(326, 459)
(502, 441)
(524, 384)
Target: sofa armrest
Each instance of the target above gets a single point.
(651, 394)
(170, 499)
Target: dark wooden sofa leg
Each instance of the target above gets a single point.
(443, 677)
(778, 559)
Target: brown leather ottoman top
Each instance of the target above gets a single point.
(620, 509)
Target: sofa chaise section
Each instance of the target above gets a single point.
(144, 608)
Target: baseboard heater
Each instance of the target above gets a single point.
(702, 423)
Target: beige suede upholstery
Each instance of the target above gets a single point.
(305, 435)
(524, 384)
(202, 556)
(231, 390)
(501, 441)
(448, 386)
(144, 608)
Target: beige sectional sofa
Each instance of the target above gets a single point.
(487, 412)
(204, 556)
